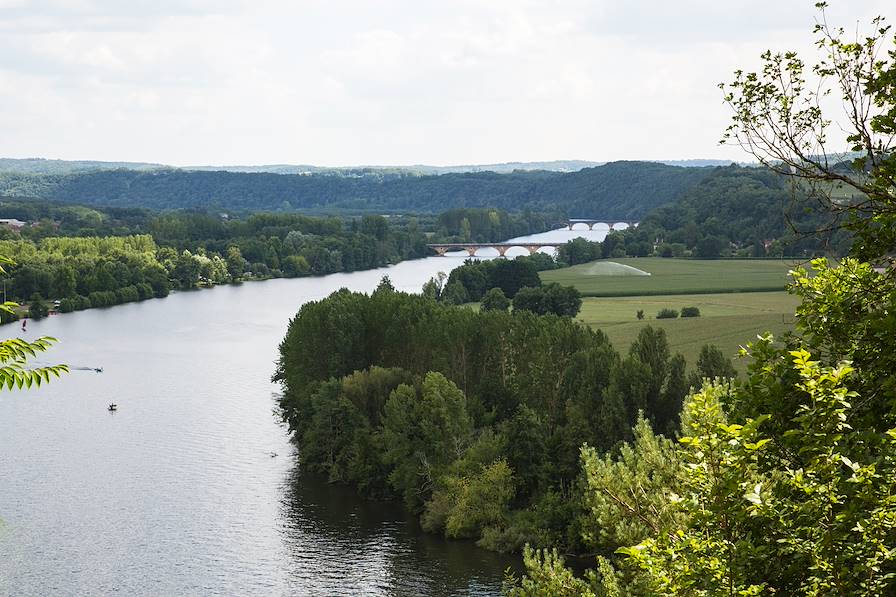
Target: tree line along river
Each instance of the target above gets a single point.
(192, 486)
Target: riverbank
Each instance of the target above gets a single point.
(163, 283)
(134, 294)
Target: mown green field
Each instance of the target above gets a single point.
(728, 320)
(672, 276)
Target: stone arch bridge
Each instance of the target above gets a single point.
(590, 223)
(471, 248)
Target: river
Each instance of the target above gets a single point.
(192, 487)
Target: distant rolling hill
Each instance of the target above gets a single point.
(45, 166)
(617, 189)
(50, 166)
(502, 168)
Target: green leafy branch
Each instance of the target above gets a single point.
(14, 354)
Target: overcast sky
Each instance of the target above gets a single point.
(332, 82)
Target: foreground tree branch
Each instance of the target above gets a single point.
(778, 118)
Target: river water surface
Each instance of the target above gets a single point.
(192, 487)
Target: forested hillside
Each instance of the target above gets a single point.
(616, 190)
(45, 166)
(736, 212)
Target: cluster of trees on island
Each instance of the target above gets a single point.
(500, 283)
(474, 419)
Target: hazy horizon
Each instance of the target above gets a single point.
(372, 165)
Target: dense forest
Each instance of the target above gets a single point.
(620, 190)
(474, 419)
(733, 212)
(499, 283)
(743, 212)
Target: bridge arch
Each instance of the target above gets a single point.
(443, 248)
(610, 223)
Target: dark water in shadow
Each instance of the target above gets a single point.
(389, 553)
(177, 493)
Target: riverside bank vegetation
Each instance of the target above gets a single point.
(86, 257)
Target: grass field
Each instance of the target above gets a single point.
(672, 276)
(727, 320)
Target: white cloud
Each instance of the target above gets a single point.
(397, 82)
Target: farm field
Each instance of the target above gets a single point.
(727, 320)
(672, 276)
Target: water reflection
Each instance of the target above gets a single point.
(340, 544)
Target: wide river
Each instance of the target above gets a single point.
(193, 487)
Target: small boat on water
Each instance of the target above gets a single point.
(113, 407)
(98, 369)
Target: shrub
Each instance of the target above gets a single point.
(690, 312)
(38, 308)
(564, 301)
(74, 303)
(145, 291)
(529, 299)
(455, 294)
(103, 298)
(494, 300)
(261, 270)
(127, 294)
(67, 305)
(667, 314)
(295, 265)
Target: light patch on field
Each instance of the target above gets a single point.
(673, 276)
(611, 268)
